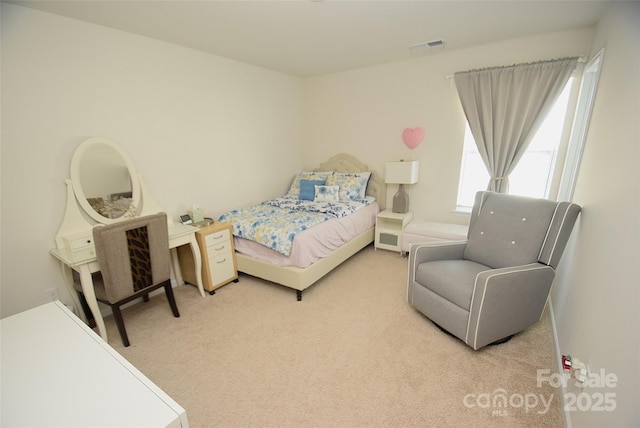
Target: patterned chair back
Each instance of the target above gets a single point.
(133, 255)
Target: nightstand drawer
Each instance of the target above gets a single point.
(219, 248)
(217, 237)
(389, 239)
(222, 269)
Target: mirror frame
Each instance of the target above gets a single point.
(77, 183)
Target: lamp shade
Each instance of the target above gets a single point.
(401, 172)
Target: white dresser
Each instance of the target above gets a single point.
(58, 372)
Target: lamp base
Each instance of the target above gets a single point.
(400, 201)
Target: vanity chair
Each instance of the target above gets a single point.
(134, 260)
(496, 283)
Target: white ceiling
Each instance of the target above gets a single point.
(307, 38)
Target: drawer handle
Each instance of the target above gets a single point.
(221, 261)
(217, 236)
(219, 248)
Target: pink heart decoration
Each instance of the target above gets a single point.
(412, 137)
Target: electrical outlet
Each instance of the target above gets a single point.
(52, 294)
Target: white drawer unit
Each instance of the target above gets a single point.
(218, 256)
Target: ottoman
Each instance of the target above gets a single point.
(419, 231)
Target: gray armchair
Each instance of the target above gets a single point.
(496, 283)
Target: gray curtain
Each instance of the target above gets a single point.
(505, 106)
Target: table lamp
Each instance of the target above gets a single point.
(401, 173)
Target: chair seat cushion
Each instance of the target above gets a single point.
(453, 280)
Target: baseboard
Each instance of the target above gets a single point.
(563, 391)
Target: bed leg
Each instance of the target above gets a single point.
(299, 295)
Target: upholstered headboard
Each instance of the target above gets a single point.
(346, 163)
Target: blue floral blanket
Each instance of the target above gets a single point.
(274, 223)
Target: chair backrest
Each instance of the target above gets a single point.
(507, 230)
(133, 254)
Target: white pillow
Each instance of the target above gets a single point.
(327, 193)
(353, 185)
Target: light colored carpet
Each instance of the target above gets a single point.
(352, 353)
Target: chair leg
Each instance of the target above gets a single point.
(87, 311)
(117, 316)
(172, 300)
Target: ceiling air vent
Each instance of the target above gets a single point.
(424, 47)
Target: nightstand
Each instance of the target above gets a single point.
(389, 227)
(218, 257)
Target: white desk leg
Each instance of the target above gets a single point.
(175, 266)
(67, 274)
(90, 296)
(197, 261)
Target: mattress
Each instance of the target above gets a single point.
(316, 242)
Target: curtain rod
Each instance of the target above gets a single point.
(581, 60)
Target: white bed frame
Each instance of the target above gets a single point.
(300, 279)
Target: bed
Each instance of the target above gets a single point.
(318, 249)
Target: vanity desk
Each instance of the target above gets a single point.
(105, 188)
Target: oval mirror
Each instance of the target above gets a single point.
(105, 181)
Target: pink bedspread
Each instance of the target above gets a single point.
(316, 242)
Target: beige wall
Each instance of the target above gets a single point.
(596, 297)
(208, 130)
(364, 112)
(200, 128)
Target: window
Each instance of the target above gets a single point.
(533, 174)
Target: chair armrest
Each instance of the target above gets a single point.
(430, 251)
(506, 301)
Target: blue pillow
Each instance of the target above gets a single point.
(308, 190)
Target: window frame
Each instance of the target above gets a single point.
(580, 126)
